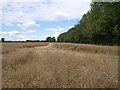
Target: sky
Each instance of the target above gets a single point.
(37, 19)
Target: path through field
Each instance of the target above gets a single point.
(46, 66)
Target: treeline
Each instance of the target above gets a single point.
(48, 39)
(100, 25)
(32, 40)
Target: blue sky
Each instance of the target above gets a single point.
(38, 19)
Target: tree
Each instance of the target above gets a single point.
(50, 39)
(61, 37)
(2, 39)
(100, 25)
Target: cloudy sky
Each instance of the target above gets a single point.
(38, 19)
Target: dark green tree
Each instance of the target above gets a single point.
(50, 39)
(100, 25)
(2, 39)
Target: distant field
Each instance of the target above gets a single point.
(9, 47)
(59, 65)
(110, 50)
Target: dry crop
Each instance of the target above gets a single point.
(8, 47)
(58, 66)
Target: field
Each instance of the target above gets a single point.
(59, 65)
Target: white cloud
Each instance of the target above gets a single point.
(32, 31)
(14, 32)
(58, 30)
(32, 37)
(3, 32)
(60, 15)
(45, 1)
(56, 34)
(31, 23)
(55, 29)
(49, 11)
(16, 37)
(21, 36)
(28, 24)
(10, 32)
(9, 24)
(26, 14)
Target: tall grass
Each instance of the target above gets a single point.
(51, 67)
(9, 47)
(111, 50)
